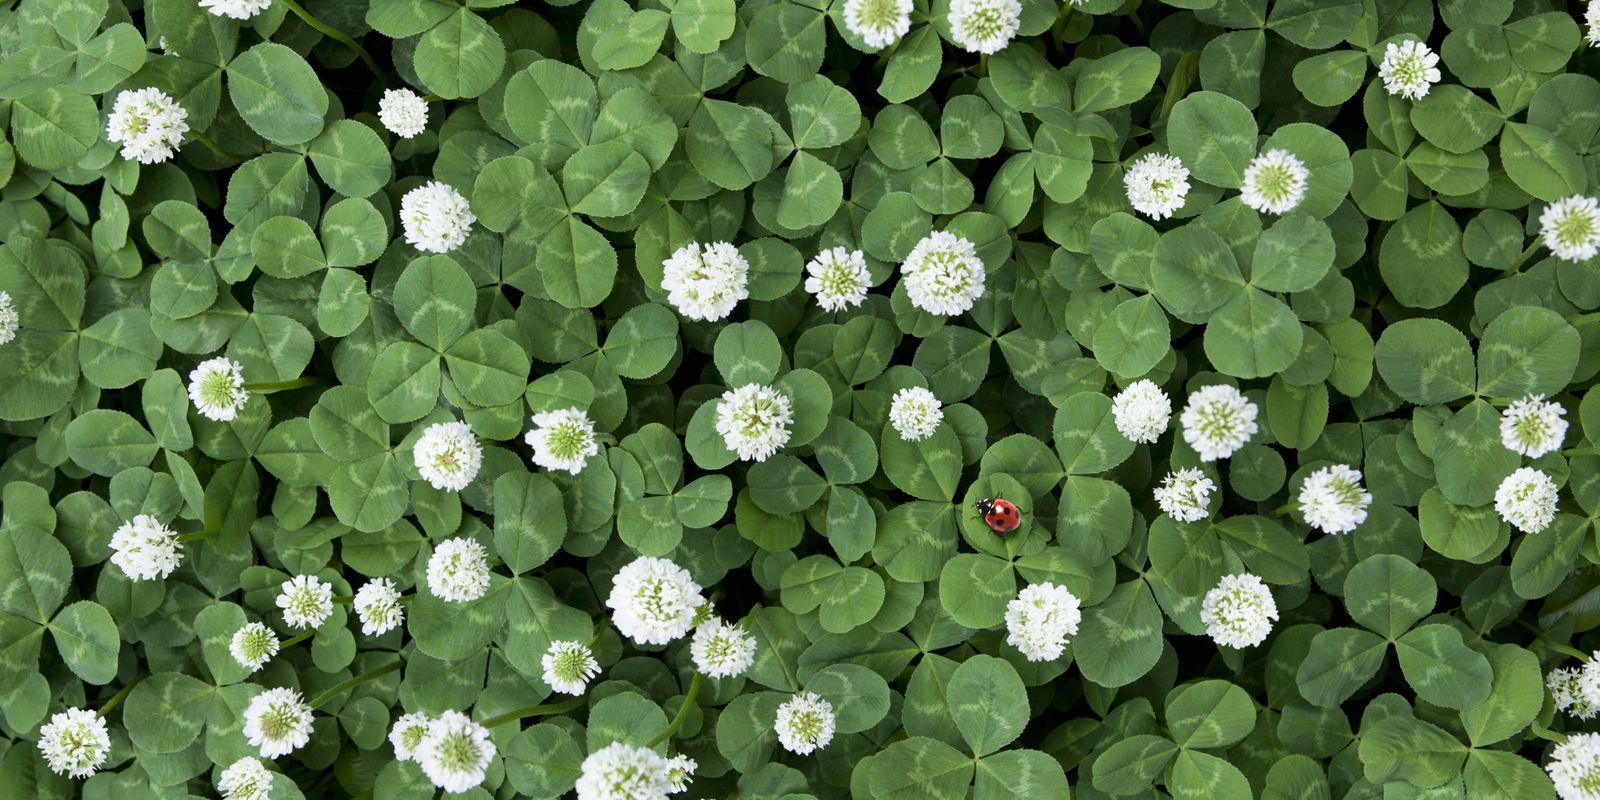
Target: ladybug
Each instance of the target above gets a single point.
(1002, 515)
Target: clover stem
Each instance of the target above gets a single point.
(1285, 509)
(1571, 651)
(297, 638)
(216, 148)
(683, 711)
(356, 681)
(1581, 451)
(117, 698)
(276, 386)
(194, 536)
(1546, 734)
(541, 710)
(1533, 247)
(1182, 76)
(334, 34)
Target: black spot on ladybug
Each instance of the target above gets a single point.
(1001, 515)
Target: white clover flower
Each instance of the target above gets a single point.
(455, 752)
(804, 723)
(721, 650)
(1532, 426)
(1157, 185)
(74, 743)
(943, 274)
(1239, 612)
(448, 455)
(278, 721)
(915, 413)
(1591, 18)
(569, 666)
(562, 440)
(235, 9)
(1567, 691)
(1527, 500)
(653, 601)
(621, 771)
(1333, 501)
(407, 733)
(8, 319)
(1184, 495)
(705, 282)
(378, 607)
(984, 26)
(458, 570)
(216, 387)
(879, 23)
(403, 112)
(1039, 620)
(1275, 182)
(306, 600)
(754, 421)
(1409, 69)
(245, 779)
(148, 124)
(253, 645)
(1571, 228)
(1218, 421)
(839, 277)
(1589, 683)
(1141, 411)
(144, 549)
(680, 770)
(1575, 767)
(436, 217)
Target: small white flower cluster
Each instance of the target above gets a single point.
(654, 601)
(245, 779)
(569, 666)
(1591, 19)
(278, 721)
(1157, 185)
(8, 319)
(1533, 426)
(253, 645)
(436, 217)
(754, 421)
(1275, 182)
(403, 112)
(1039, 620)
(1218, 421)
(1571, 228)
(1574, 767)
(943, 274)
(216, 387)
(1141, 412)
(74, 743)
(621, 771)
(1333, 500)
(235, 9)
(804, 723)
(1239, 612)
(879, 23)
(306, 600)
(458, 570)
(705, 282)
(721, 650)
(448, 455)
(148, 123)
(562, 440)
(1185, 494)
(1576, 691)
(838, 277)
(453, 750)
(1527, 499)
(1409, 69)
(144, 549)
(915, 413)
(984, 26)
(377, 605)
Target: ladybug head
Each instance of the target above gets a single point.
(985, 506)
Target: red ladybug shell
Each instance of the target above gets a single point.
(1001, 514)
